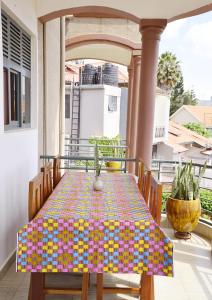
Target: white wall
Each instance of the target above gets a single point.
(53, 86)
(111, 119)
(18, 148)
(68, 91)
(164, 152)
(95, 119)
(182, 117)
(123, 112)
(91, 111)
(162, 107)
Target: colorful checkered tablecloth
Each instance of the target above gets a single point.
(81, 230)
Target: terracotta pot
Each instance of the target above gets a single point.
(183, 216)
(113, 165)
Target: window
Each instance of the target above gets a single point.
(112, 103)
(16, 74)
(67, 106)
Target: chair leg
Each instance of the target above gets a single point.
(36, 291)
(147, 288)
(99, 291)
(30, 289)
(85, 283)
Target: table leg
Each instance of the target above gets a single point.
(85, 283)
(99, 282)
(147, 288)
(36, 291)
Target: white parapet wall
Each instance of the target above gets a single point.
(161, 120)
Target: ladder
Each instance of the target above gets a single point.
(75, 121)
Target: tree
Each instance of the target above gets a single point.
(176, 96)
(189, 98)
(198, 128)
(170, 79)
(177, 99)
(169, 72)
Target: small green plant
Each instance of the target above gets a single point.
(186, 186)
(98, 165)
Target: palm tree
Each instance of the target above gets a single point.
(169, 72)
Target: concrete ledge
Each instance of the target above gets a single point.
(202, 229)
(10, 260)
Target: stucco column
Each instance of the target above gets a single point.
(151, 31)
(62, 87)
(134, 110)
(129, 103)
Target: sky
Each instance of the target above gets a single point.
(191, 41)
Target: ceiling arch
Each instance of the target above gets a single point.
(101, 39)
(151, 9)
(107, 52)
(90, 11)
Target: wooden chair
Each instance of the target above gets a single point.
(47, 180)
(144, 180)
(38, 290)
(36, 197)
(56, 171)
(154, 201)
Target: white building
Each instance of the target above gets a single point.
(99, 111)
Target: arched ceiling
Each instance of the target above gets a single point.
(107, 52)
(132, 10)
(120, 29)
(101, 39)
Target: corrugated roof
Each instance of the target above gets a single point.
(179, 136)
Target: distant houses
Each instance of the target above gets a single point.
(194, 114)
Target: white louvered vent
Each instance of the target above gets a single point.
(26, 51)
(15, 43)
(5, 38)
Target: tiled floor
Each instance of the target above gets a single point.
(192, 281)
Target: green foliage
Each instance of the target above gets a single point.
(109, 150)
(169, 71)
(198, 128)
(179, 98)
(176, 99)
(185, 185)
(189, 98)
(206, 199)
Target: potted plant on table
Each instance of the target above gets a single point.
(98, 184)
(183, 208)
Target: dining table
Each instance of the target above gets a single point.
(86, 231)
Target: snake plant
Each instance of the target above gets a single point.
(186, 185)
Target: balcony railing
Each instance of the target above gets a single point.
(160, 132)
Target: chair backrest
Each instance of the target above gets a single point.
(144, 180)
(47, 180)
(56, 172)
(155, 199)
(36, 199)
